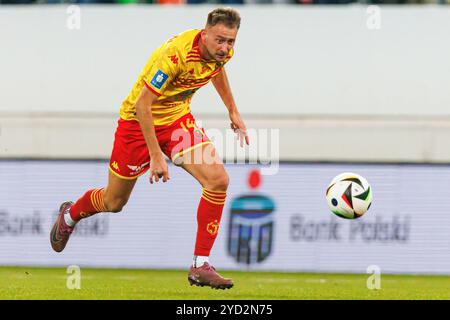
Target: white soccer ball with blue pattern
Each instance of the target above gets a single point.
(349, 195)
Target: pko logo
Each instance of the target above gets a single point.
(251, 226)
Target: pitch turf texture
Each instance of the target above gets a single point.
(51, 283)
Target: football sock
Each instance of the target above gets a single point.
(89, 204)
(198, 261)
(209, 214)
(68, 219)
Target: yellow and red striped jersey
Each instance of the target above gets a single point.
(174, 72)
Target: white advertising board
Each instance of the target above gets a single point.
(406, 230)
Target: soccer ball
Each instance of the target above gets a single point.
(349, 195)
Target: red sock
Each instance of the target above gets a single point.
(89, 204)
(208, 220)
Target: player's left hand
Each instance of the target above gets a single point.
(238, 126)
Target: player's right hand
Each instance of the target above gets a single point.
(158, 168)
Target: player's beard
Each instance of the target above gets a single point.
(214, 55)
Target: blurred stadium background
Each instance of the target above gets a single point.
(325, 89)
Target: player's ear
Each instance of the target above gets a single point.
(204, 33)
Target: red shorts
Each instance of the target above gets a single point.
(130, 156)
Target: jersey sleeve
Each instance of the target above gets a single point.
(163, 71)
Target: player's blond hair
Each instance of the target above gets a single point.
(227, 16)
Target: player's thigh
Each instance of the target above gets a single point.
(204, 164)
(118, 189)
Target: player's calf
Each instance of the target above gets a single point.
(115, 205)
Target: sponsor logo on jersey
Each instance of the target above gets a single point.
(159, 79)
(136, 169)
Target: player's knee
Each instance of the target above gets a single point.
(219, 182)
(116, 205)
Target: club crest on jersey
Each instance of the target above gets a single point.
(204, 69)
(159, 79)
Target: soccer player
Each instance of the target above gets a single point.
(156, 119)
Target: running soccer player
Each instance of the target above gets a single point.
(156, 119)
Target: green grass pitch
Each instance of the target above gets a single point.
(51, 283)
